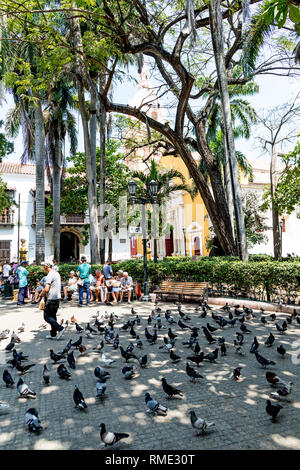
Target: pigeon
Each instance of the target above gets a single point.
(263, 320)
(8, 379)
(208, 336)
(284, 325)
(71, 360)
(10, 346)
(169, 390)
(289, 319)
(154, 406)
(101, 387)
(275, 380)
(273, 410)
(143, 361)
(3, 334)
(270, 340)
(110, 438)
(232, 322)
(168, 344)
(171, 334)
(239, 338)
(15, 338)
(281, 350)
(63, 372)
(132, 332)
(151, 338)
(254, 346)
(197, 358)
(192, 373)
(79, 329)
(238, 349)
(130, 348)
(101, 373)
(237, 373)
(279, 328)
(242, 320)
(223, 349)
(82, 349)
(67, 348)
(73, 319)
(78, 399)
(196, 348)
(263, 361)
(56, 357)
(77, 343)
(212, 356)
(46, 375)
(133, 311)
(107, 360)
(138, 320)
(182, 325)
(23, 369)
(128, 372)
(24, 390)
(244, 329)
(18, 356)
(189, 342)
(127, 355)
(21, 328)
(116, 342)
(99, 347)
(139, 343)
(32, 420)
(200, 424)
(273, 316)
(91, 330)
(149, 320)
(174, 358)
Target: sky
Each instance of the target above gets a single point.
(273, 91)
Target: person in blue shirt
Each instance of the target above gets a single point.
(23, 283)
(83, 273)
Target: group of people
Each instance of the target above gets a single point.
(100, 287)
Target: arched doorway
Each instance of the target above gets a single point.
(197, 251)
(69, 247)
(169, 244)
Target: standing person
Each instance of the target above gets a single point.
(83, 272)
(127, 286)
(23, 282)
(108, 273)
(6, 270)
(52, 292)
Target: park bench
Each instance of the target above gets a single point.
(197, 290)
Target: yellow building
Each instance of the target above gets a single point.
(182, 213)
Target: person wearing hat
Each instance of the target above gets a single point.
(83, 272)
(23, 283)
(52, 293)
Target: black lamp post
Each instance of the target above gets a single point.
(184, 236)
(148, 198)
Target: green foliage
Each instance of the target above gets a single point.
(287, 195)
(6, 201)
(6, 147)
(247, 276)
(254, 220)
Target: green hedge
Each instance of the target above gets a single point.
(270, 276)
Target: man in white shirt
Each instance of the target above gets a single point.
(6, 269)
(52, 291)
(126, 286)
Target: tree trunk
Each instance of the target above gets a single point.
(216, 26)
(40, 150)
(102, 132)
(110, 249)
(275, 215)
(56, 193)
(228, 185)
(155, 250)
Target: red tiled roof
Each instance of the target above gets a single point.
(17, 168)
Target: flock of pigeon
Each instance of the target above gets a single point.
(162, 327)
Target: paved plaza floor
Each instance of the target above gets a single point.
(237, 408)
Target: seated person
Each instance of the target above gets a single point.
(38, 290)
(116, 287)
(126, 286)
(71, 286)
(95, 283)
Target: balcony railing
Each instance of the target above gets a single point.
(72, 219)
(6, 218)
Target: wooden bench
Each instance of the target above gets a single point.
(183, 289)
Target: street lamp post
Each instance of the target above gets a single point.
(184, 236)
(281, 226)
(148, 198)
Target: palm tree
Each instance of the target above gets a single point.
(166, 186)
(59, 122)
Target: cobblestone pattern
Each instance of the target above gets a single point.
(237, 408)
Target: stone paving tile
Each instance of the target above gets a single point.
(237, 408)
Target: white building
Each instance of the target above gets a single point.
(17, 224)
